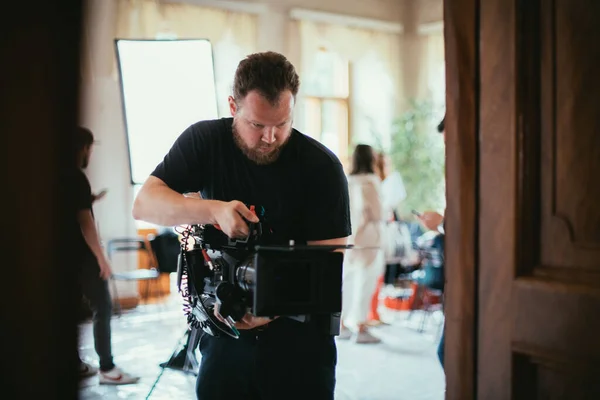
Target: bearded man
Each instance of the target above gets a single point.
(296, 185)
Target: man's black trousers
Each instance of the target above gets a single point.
(285, 360)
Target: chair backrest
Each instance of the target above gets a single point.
(166, 248)
(124, 244)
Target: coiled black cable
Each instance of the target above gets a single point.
(188, 302)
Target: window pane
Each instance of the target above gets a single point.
(334, 133)
(327, 76)
(326, 120)
(312, 118)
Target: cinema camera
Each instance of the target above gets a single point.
(247, 275)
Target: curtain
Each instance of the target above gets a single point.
(233, 35)
(375, 79)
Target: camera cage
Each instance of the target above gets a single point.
(244, 275)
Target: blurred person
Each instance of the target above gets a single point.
(434, 221)
(256, 157)
(393, 192)
(383, 165)
(383, 168)
(362, 267)
(94, 271)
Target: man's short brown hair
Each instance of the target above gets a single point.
(268, 73)
(83, 138)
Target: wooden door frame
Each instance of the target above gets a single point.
(39, 299)
(461, 42)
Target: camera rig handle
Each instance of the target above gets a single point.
(231, 301)
(253, 211)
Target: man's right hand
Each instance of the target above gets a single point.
(232, 216)
(105, 268)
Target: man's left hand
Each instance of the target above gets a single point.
(99, 196)
(250, 321)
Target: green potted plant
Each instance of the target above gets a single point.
(418, 154)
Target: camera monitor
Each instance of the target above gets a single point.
(302, 281)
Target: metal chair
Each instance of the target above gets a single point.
(148, 275)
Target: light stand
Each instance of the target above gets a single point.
(183, 357)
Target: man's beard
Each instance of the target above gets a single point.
(255, 154)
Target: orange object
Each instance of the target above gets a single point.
(394, 303)
(412, 302)
(373, 314)
(145, 261)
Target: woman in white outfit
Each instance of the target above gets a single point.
(362, 267)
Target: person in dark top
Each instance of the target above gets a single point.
(298, 187)
(95, 270)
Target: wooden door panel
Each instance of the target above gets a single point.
(497, 198)
(462, 66)
(556, 384)
(570, 115)
(548, 318)
(539, 200)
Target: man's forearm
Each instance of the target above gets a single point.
(343, 241)
(162, 206)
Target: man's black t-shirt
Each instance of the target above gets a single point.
(82, 201)
(302, 196)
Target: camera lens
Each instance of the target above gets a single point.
(246, 275)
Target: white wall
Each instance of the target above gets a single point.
(101, 108)
(101, 112)
(431, 11)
